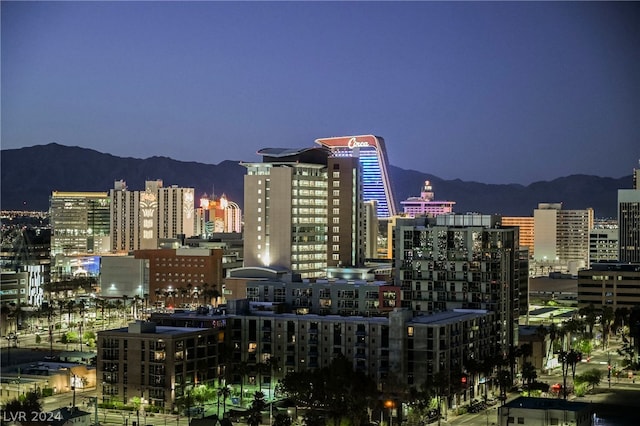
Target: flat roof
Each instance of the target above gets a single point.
(160, 329)
(448, 317)
(547, 404)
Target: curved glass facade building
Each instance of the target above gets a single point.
(372, 155)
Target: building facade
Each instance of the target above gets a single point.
(345, 213)
(79, 228)
(603, 245)
(372, 154)
(425, 205)
(158, 364)
(183, 276)
(217, 216)
(614, 285)
(285, 202)
(526, 232)
(629, 222)
(544, 412)
(561, 238)
(462, 262)
(140, 219)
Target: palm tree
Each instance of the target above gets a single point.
(241, 369)
(71, 304)
(621, 319)
(204, 292)
(257, 407)
(606, 321)
(124, 307)
(224, 392)
(589, 314)
(81, 310)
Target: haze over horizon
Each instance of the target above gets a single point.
(505, 92)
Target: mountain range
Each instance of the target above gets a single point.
(29, 176)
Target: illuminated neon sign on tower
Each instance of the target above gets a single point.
(373, 158)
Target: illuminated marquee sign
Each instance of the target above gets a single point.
(148, 206)
(363, 141)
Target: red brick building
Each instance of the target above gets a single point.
(183, 276)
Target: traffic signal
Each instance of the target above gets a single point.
(463, 380)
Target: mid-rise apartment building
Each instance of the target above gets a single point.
(462, 262)
(361, 295)
(424, 345)
(158, 364)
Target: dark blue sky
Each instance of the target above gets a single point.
(494, 92)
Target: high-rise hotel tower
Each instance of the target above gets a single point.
(140, 218)
(372, 154)
(303, 211)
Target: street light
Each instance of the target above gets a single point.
(390, 405)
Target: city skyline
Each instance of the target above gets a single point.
(486, 92)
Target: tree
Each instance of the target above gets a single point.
(282, 419)
(224, 392)
(27, 403)
(591, 377)
(621, 319)
(241, 369)
(606, 321)
(258, 405)
(529, 375)
(589, 315)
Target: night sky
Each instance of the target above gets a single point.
(507, 92)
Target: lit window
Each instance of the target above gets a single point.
(410, 331)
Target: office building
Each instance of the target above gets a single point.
(79, 229)
(371, 152)
(158, 364)
(629, 221)
(461, 262)
(603, 245)
(561, 240)
(609, 284)
(140, 219)
(425, 205)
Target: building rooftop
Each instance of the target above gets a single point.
(449, 316)
(147, 327)
(546, 404)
